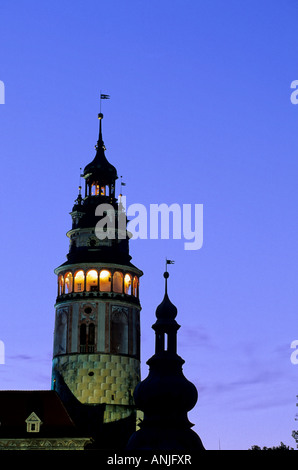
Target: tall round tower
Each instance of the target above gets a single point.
(97, 324)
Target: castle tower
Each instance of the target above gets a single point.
(97, 324)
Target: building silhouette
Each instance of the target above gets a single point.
(165, 396)
(96, 348)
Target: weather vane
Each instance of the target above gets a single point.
(103, 97)
(169, 261)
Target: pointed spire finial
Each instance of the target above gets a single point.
(166, 274)
(100, 143)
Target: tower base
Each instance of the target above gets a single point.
(100, 379)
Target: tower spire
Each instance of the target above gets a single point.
(100, 143)
(166, 274)
(100, 117)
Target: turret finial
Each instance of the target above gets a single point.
(166, 274)
(100, 143)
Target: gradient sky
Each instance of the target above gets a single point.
(200, 113)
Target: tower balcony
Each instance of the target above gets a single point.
(97, 295)
(101, 283)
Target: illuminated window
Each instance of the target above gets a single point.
(79, 281)
(127, 284)
(91, 280)
(68, 283)
(105, 281)
(94, 189)
(135, 286)
(60, 285)
(97, 190)
(118, 282)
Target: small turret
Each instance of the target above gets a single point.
(100, 175)
(165, 396)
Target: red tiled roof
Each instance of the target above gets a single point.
(16, 406)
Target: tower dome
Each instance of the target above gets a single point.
(100, 169)
(100, 175)
(166, 311)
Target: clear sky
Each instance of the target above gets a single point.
(200, 113)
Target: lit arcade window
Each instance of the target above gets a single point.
(92, 280)
(127, 284)
(135, 286)
(105, 281)
(79, 281)
(68, 283)
(118, 282)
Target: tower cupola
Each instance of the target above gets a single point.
(100, 175)
(166, 326)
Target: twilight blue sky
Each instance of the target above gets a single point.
(200, 113)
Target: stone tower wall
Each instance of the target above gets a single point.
(101, 378)
(107, 371)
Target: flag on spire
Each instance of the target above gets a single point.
(104, 97)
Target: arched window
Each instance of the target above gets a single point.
(119, 330)
(97, 190)
(127, 284)
(87, 338)
(135, 286)
(92, 280)
(60, 285)
(91, 336)
(105, 281)
(79, 281)
(118, 282)
(68, 283)
(83, 337)
(94, 189)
